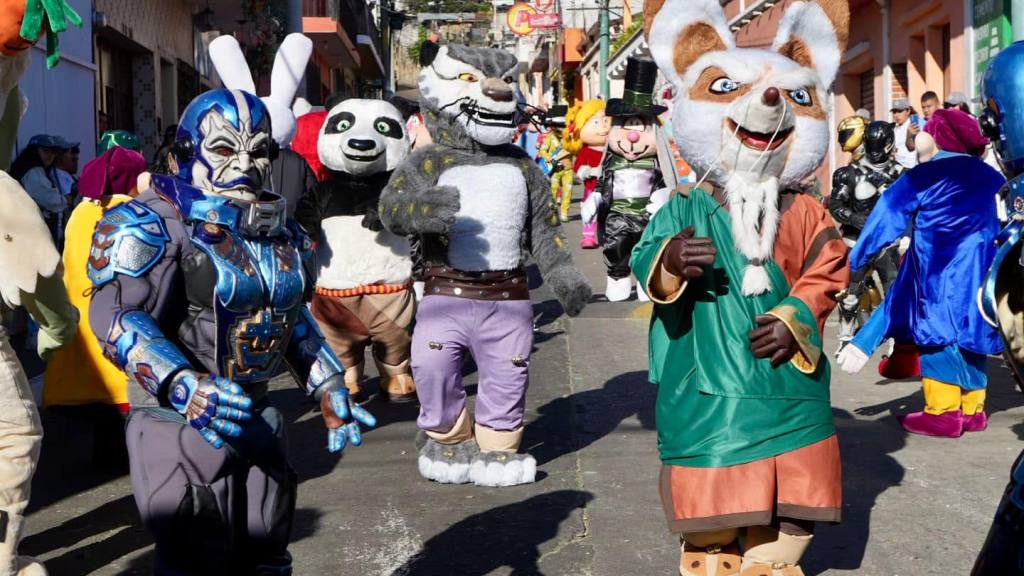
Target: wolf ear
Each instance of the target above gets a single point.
(681, 31)
(814, 34)
(428, 51)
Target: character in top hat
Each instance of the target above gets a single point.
(629, 175)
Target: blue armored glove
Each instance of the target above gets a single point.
(212, 405)
(342, 417)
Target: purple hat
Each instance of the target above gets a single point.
(957, 131)
(115, 172)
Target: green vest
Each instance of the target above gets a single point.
(717, 404)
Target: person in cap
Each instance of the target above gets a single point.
(33, 168)
(629, 176)
(901, 114)
(65, 170)
(957, 100)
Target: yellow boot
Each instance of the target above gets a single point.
(973, 404)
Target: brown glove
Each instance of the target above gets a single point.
(772, 339)
(687, 256)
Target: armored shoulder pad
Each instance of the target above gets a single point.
(130, 239)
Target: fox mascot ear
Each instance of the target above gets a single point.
(681, 31)
(814, 34)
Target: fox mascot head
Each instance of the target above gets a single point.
(750, 120)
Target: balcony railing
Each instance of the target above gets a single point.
(353, 15)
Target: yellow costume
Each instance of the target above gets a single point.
(79, 373)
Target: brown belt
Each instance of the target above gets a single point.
(502, 285)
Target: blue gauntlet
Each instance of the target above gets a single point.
(210, 404)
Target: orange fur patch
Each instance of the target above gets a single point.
(651, 9)
(692, 43)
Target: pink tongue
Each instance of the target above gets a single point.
(758, 139)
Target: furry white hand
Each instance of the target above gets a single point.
(583, 173)
(589, 208)
(852, 359)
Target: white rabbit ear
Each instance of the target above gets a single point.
(230, 63)
(289, 67)
(301, 107)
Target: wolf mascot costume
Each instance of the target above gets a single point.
(481, 205)
(744, 273)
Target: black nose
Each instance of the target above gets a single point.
(362, 145)
(497, 90)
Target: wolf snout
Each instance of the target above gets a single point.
(497, 90)
(771, 96)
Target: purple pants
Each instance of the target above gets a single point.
(499, 335)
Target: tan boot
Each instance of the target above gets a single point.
(28, 566)
(396, 384)
(775, 569)
(770, 552)
(354, 379)
(710, 553)
(710, 561)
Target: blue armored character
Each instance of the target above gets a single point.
(1002, 294)
(199, 298)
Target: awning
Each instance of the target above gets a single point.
(371, 66)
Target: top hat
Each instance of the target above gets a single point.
(555, 116)
(638, 94)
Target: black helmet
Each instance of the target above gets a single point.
(879, 141)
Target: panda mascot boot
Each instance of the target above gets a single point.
(363, 296)
(482, 206)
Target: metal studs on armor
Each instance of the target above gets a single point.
(212, 215)
(435, 346)
(457, 291)
(518, 361)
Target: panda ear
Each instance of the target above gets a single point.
(334, 99)
(428, 51)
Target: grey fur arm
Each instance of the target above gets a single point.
(413, 203)
(548, 246)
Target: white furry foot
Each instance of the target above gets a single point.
(618, 289)
(29, 566)
(641, 294)
(447, 463)
(503, 469)
(417, 289)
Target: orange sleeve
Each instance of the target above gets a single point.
(813, 256)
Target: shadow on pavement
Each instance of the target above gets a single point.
(571, 423)
(868, 471)
(504, 537)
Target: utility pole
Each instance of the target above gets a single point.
(603, 58)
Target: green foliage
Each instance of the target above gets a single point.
(628, 33)
(434, 6)
(421, 37)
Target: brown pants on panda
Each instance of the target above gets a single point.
(377, 316)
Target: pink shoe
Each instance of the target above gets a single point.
(588, 242)
(976, 422)
(946, 425)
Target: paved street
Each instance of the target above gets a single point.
(913, 506)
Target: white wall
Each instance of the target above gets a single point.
(62, 100)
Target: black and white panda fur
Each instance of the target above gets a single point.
(361, 143)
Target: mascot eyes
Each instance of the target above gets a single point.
(724, 86)
(340, 122)
(388, 127)
(801, 97)
(509, 79)
(223, 151)
(467, 77)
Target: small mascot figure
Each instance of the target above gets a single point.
(629, 176)
(557, 162)
(585, 138)
(481, 204)
(744, 273)
(363, 294)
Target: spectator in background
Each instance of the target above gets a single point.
(65, 170)
(959, 101)
(160, 163)
(929, 104)
(33, 168)
(901, 113)
(863, 113)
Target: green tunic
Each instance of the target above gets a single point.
(717, 405)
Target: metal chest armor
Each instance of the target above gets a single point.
(245, 276)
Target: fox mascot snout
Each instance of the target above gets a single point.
(751, 121)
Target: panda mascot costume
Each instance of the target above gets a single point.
(363, 294)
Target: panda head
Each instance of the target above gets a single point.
(363, 137)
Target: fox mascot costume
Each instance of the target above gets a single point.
(744, 272)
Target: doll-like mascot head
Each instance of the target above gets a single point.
(363, 137)
(750, 120)
(587, 126)
(470, 91)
